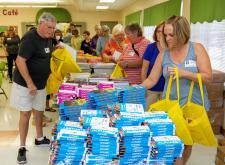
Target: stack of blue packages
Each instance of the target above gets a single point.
(89, 122)
(134, 144)
(104, 142)
(126, 119)
(116, 108)
(126, 95)
(156, 115)
(161, 127)
(71, 147)
(71, 111)
(97, 160)
(165, 149)
(65, 125)
(92, 113)
(99, 99)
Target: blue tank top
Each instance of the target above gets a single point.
(190, 64)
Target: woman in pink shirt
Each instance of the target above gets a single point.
(131, 59)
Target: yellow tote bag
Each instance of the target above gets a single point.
(61, 64)
(172, 107)
(197, 119)
(118, 72)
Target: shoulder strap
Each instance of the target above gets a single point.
(136, 52)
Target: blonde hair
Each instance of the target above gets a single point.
(118, 29)
(181, 29)
(98, 26)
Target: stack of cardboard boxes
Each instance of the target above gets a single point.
(216, 96)
(220, 156)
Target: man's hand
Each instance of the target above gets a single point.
(32, 88)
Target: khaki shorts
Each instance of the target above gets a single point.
(22, 100)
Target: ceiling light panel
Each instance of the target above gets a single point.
(30, 1)
(102, 7)
(107, 1)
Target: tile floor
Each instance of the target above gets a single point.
(9, 139)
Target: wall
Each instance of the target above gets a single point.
(143, 4)
(29, 15)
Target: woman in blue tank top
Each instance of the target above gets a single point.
(190, 58)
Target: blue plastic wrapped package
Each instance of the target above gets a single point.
(95, 121)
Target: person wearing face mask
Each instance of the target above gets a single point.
(76, 40)
(116, 45)
(57, 37)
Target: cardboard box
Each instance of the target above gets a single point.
(218, 103)
(221, 153)
(215, 90)
(221, 142)
(216, 129)
(218, 161)
(218, 76)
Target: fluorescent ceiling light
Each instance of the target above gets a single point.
(102, 7)
(18, 6)
(29, 6)
(44, 6)
(107, 1)
(29, 1)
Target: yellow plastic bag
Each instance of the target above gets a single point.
(172, 107)
(61, 64)
(118, 73)
(68, 63)
(197, 119)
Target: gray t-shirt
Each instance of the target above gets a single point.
(37, 51)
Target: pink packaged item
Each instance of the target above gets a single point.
(68, 86)
(83, 92)
(105, 84)
(66, 95)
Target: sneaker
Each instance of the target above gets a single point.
(44, 142)
(21, 158)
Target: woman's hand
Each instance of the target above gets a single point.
(181, 72)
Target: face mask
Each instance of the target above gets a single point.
(57, 37)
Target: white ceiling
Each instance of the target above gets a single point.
(90, 5)
(82, 5)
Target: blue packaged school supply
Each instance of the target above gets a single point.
(156, 115)
(131, 108)
(136, 130)
(95, 121)
(91, 113)
(104, 131)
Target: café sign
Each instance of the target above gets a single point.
(9, 12)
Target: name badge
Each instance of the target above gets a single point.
(190, 63)
(9, 39)
(131, 53)
(47, 50)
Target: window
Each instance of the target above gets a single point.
(212, 36)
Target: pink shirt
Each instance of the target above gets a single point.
(134, 74)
